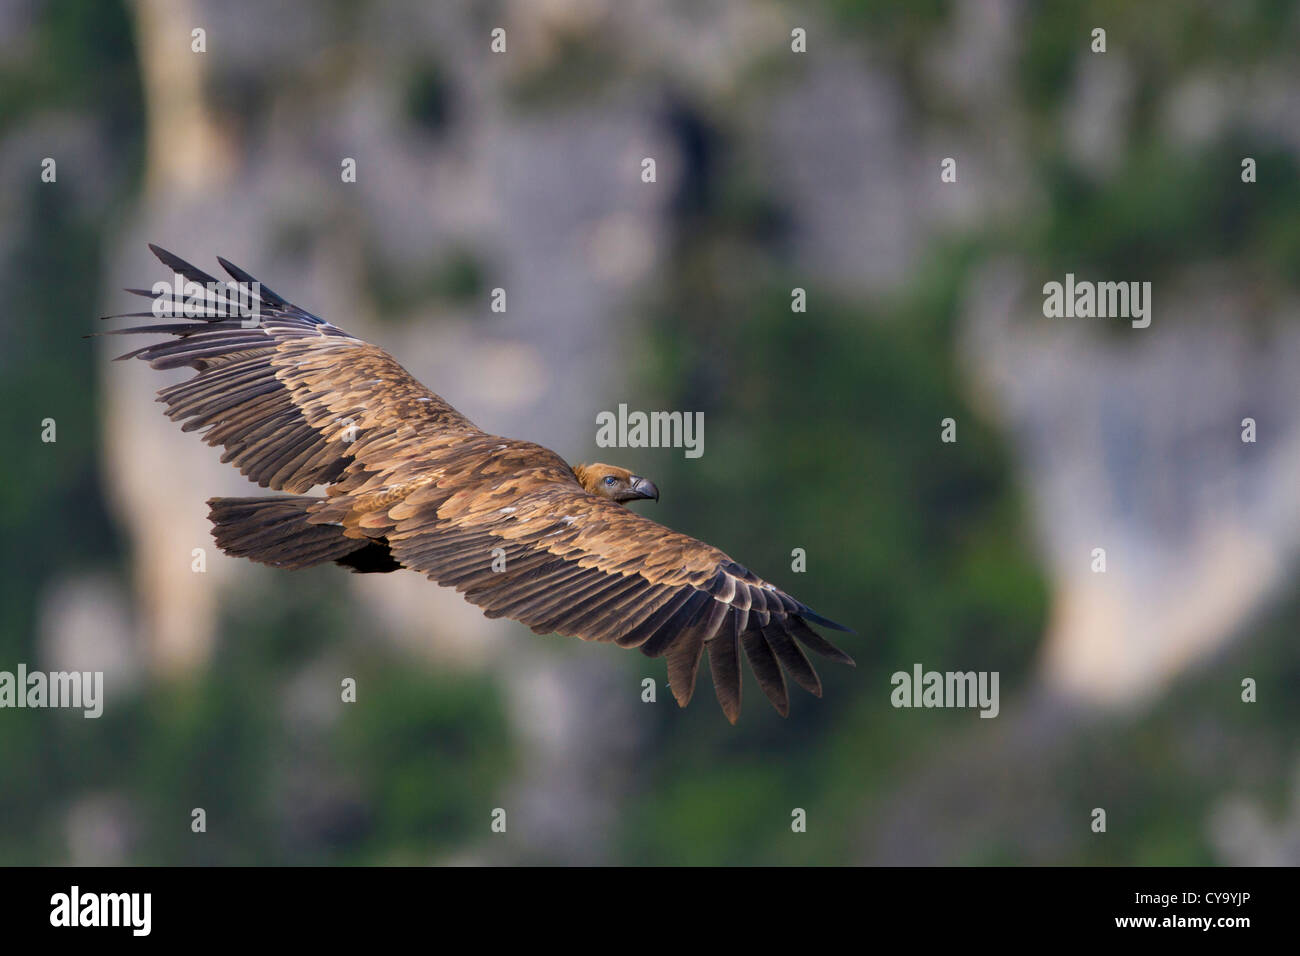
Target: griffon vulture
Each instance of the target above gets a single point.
(296, 402)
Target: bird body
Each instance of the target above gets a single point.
(411, 483)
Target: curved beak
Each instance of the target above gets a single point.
(644, 488)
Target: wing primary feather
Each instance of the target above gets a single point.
(684, 658)
(766, 669)
(791, 657)
(177, 264)
(809, 614)
(268, 296)
(815, 642)
(724, 665)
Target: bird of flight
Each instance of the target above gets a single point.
(297, 403)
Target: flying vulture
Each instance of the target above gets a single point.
(296, 402)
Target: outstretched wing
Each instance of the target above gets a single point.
(292, 399)
(561, 560)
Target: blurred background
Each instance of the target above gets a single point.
(775, 170)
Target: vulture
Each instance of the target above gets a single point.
(409, 482)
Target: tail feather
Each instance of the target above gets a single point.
(275, 530)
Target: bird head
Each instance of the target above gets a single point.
(617, 484)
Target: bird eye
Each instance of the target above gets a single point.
(609, 480)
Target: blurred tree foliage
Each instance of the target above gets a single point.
(52, 512)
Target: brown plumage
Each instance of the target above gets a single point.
(297, 402)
